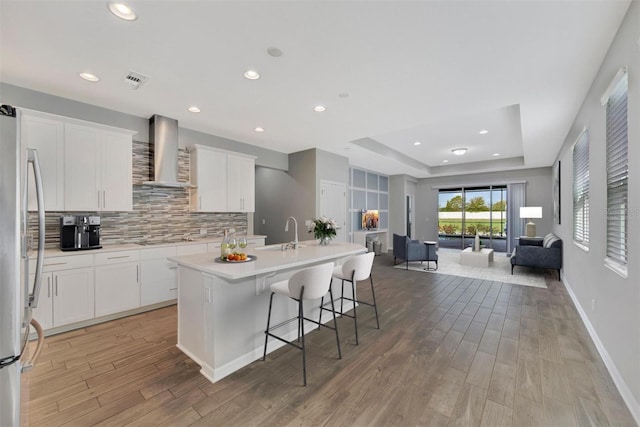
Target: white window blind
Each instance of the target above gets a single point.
(617, 169)
(581, 189)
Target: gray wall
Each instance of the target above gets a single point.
(397, 207)
(538, 194)
(296, 192)
(615, 314)
(39, 101)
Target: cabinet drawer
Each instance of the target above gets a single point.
(158, 253)
(117, 257)
(65, 262)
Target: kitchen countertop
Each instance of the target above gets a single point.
(56, 252)
(269, 259)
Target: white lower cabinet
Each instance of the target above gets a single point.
(158, 275)
(67, 291)
(117, 282)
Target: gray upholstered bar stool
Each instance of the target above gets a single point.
(354, 269)
(310, 283)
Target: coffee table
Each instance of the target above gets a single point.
(481, 258)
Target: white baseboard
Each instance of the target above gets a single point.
(623, 388)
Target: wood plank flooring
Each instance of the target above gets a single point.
(451, 351)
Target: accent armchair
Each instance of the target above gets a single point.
(413, 250)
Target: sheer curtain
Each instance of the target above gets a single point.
(516, 198)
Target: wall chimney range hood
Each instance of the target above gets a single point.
(163, 138)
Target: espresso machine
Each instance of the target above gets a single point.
(79, 232)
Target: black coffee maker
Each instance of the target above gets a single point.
(79, 232)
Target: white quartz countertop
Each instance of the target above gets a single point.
(269, 259)
(56, 252)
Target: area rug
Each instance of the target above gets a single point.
(499, 270)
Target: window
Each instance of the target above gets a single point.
(581, 189)
(615, 101)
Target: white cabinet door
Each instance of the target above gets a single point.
(82, 189)
(44, 313)
(158, 275)
(116, 172)
(117, 288)
(73, 296)
(47, 137)
(209, 174)
(240, 184)
(97, 169)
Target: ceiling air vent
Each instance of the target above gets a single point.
(135, 79)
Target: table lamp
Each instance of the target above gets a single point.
(529, 212)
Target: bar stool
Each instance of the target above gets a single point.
(307, 284)
(356, 268)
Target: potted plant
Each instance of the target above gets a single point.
(323, 229)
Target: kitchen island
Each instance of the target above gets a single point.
(222, 306)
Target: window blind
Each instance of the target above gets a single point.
(617, 169)
(581, 189)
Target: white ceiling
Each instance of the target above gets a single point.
(430, 71)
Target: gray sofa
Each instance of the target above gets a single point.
(539, 253)
(413, 250)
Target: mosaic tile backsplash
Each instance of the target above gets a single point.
(159, 214)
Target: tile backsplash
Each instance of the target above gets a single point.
(159, 214)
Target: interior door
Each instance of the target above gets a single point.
(333, 204)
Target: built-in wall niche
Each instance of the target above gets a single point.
(369, 191)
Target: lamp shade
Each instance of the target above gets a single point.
(531, 212)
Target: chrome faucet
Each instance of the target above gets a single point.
(286, 228)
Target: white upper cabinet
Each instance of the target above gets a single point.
(209, 174)
(116, 172)
(225, 181)
(241, 172)
(47, 137)
(82, 189)
(85, 166)
(98, 167)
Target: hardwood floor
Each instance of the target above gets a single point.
(451, 351)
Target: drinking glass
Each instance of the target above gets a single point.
(242, 242)
(232, 243)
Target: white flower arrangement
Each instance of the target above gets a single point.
(323, 228)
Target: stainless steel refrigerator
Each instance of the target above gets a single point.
(18, 296)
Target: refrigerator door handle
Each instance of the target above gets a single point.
(27, 366)
(32, 158)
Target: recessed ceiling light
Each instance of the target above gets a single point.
(122, 11)
(252, 75)
(319, 108)
(259, 129)
(445, 161)
(417, 143)
(495, 154)
(483, 132)
(194, 109)
(89, 77)
(459, 151)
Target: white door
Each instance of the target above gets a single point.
(116, 170)
(82, 191)
(333, 204)
(73, 296)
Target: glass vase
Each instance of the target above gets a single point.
(324, 241)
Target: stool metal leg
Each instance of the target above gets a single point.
(375, 306)
(304, 353)
(355, 313)
(266, 332)
(335, 322)
(322, 305)
(342, 298)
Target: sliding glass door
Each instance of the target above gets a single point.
(463, 212)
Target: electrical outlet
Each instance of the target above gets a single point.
(263, 221)
(203, 231)
(232, 230)
(307, 223)
(593, 305)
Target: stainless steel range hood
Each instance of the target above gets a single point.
(163, 137)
